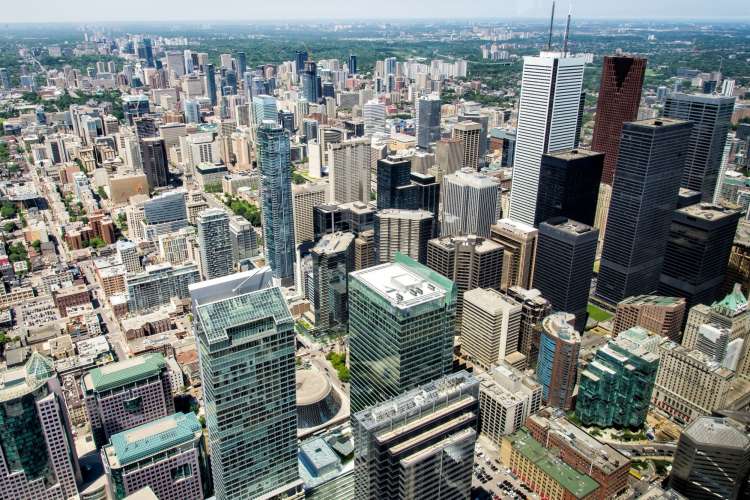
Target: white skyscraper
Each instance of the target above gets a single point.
(264, 108)
(469, 204)
(547, 121)
(374, 113)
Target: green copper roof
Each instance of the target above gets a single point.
(580, 485)
(154, 437)
(125, 372)
(735, 302)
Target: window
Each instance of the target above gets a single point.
(183, 471)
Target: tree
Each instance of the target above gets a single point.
(96, 242)
(37, 245)
(9, 227)
(7, 210)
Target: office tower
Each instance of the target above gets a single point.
(300, 58)
(711, 116)
(506, 399)
(401, 326)
(145, 127)
(158, 284)
(490, 327)
(215, 243)
(364, 250)
(660, 315)
(569, 186)
(697, 254)
(37, 454)
(310, 82)
(211, 84)
(405, 231)
(4, 79)
(428, 120)
(469, 203)
(245, 337)
(276, 186)
(534, 308)
(154, 159)
(243, 239)
(547, 122)
(712, 460)
(419, 444)
(394, 176)
(332, 261)
(712, 341)
(374, 115)
(565, 254)
(730, 312)
(166, 455)
(192, 111)
(264, 109)
(469, 261)
(449, 155)
(305, 197)
(350, 170)
(468, 134)
(241, 61)
(644, 195)
(519, 247)
(126, 394)
(557, 367)
(352, 64)
(615, 388)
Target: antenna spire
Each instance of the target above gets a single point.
(551, 23)
(567, 33)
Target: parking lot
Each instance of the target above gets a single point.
(491, 475)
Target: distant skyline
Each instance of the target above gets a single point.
(87, 11)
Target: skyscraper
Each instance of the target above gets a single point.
(711, 461)
(644, 195)
(154, 160)
(534, 308)
(393, 173)
(300, 58)
(332, 261)
(469, 203)
(215, 243)
(192, 111)
(428, 120)
(276, 186)
(350, 163)
(711, 116)
(519, 247)
(490, 327)
(37, 454)
(557, 366)
(698, 248)
(211, 84)
(404, 231)
(547, 122)
(468, 134)
(401, 326)
(352, 64)
(310, 82)
(660, 315)
(569, 186)
(565, 254)
(264, 108)
(243, 238)
(374, 115)
(245, 337)
(419, 444)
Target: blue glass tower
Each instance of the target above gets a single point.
(276, 185)
(211, 83)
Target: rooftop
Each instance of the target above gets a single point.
(656, 300)
(559, 325)
(124, 372)
(658, 122)
(569, 225)
(491, 301)
(334, 243)
(481, 244)
(404, 214)
(716, 431)
(574, 154)
(471, 178)
(707, 211)
(21, 380)
(154, 437)
(515, 227)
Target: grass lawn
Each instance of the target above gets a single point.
(598, 314)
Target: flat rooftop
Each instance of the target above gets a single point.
(717, 432)
(658, 122)
(569, 225)
(574, 154)
(707, 211)
(124, 372)
(491, 301)
(334, 243)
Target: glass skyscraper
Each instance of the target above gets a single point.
(401, 326)
(276, 186)
(246, 347)
(215, 243)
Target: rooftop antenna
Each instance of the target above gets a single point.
(567, 33)
(551, 23)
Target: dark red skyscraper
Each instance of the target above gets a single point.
(619, 98)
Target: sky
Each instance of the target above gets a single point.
(190, 10)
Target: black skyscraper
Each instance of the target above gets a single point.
(698, 248)
(352, 64)
(644, 195)
(154, 159)
(569, 186)
(565, 255)
(393, 173)
(211, 84)
(300, 58)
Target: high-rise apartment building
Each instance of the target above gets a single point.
(38, 457)
(615, 387)
(698, 247)
(547, 122)
(557, 365)
(277, 210)
(565, 254)
(519, 247)
(332, 261)
(428, 120)
(215, 243)
(490, 327)
(264, 108)
(404, 231)
(506, 399)
(401, 326)
(468, 134)
(350, 163)
(166, 455)
(243, 239)
(158, 284)
(419, 444)
(469, 204)
(374, 114)
(569, 186)
(660, 315)
(245, 337)
(644, 195)
(712, 460)
(126, 394)
(711, 116)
